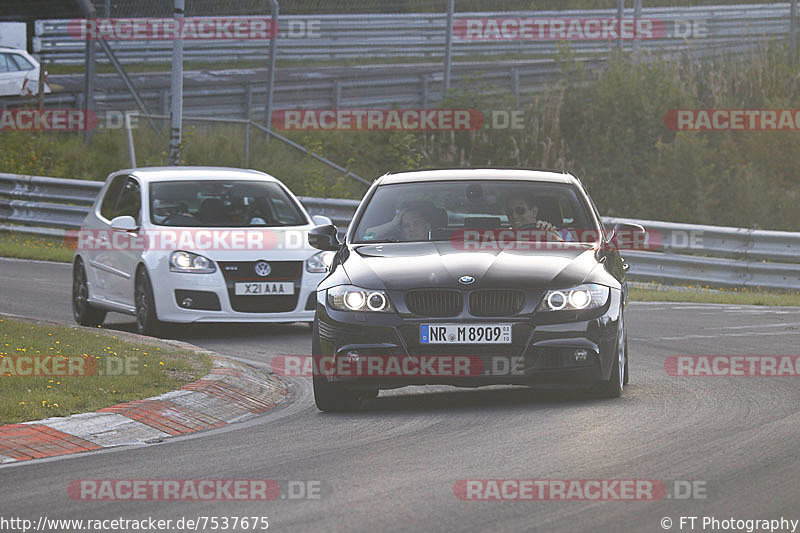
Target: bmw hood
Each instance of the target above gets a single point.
(402, 266)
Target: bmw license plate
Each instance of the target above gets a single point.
(465, 333)
(264, 288)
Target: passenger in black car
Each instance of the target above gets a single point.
(410, 223)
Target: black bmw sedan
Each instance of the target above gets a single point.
(470, 277)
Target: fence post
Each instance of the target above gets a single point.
(129, 135)
(176, 111)
(620, 14)
(448, 47)
(793, 30)
(273, 50)
(637, 43)
(89, 79)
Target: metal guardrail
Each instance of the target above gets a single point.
(222, 96)
(706, 255)
(355, 36)
(732, 30)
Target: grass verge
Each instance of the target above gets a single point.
(732, 296)
(86, 370)
(24, 246)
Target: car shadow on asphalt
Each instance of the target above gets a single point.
(483, 398)
(190, 332)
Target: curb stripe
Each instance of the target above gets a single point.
(230, 391)
(34, 441)
(165, 416)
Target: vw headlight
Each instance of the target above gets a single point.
(351, 298)
(181, 261)
(582, 297)
(320, 262)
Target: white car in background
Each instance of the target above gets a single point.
(196, 244)
(19, 73)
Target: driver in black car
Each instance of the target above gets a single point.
(522, 211)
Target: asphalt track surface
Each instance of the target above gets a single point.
(392, 466)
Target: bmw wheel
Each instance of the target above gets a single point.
(329, 397)
(619, 372)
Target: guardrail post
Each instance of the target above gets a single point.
(337, 94)
(79, 99)
(515, 86)
(423, 80)
(164, 101)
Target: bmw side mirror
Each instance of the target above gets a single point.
(324, 238)
(321, 220)
(627, 236)
(124, 223)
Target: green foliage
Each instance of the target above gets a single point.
(607, 128)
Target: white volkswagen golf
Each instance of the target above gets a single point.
(196, 244)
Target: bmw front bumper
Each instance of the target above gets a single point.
(546, 348)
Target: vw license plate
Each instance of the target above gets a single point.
(262, 288)
(465, 333)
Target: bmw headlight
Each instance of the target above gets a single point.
(351, 298)
(181, 261)
(319, 262)
(582, 297)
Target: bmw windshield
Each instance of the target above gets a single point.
(434, 210)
